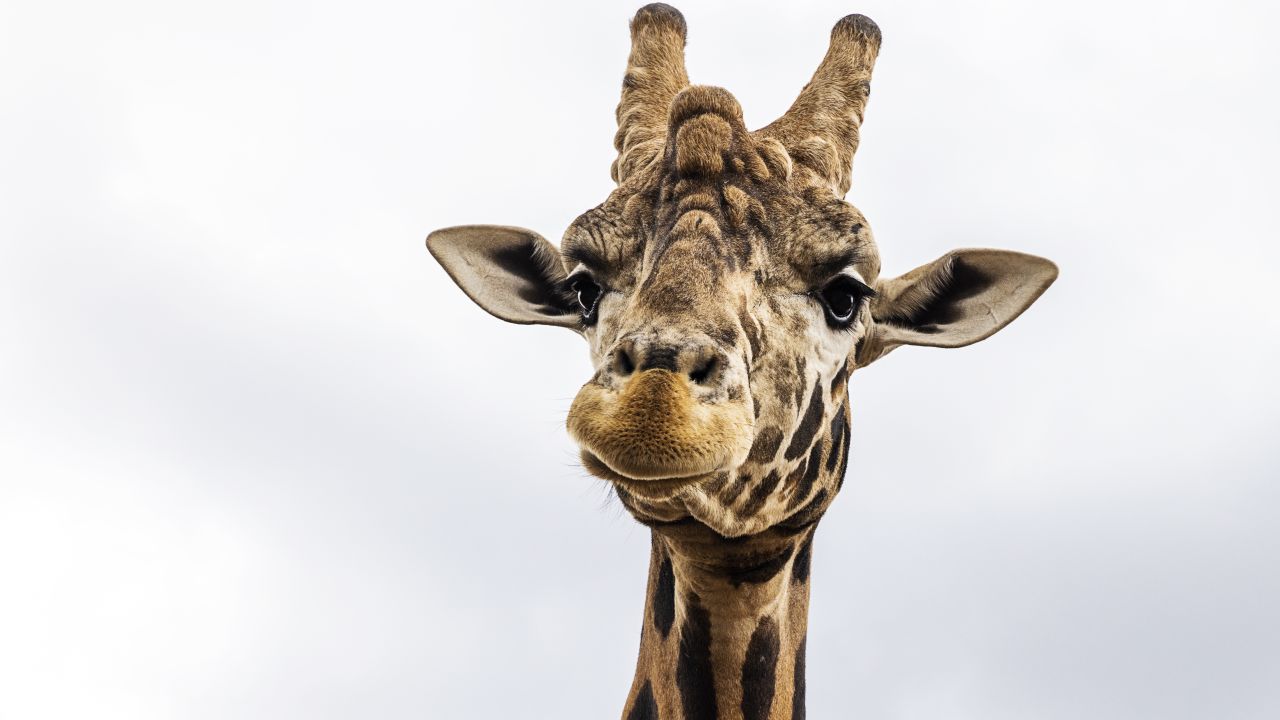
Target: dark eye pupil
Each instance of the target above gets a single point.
(840, 302)
(841, 299)
(588, 293)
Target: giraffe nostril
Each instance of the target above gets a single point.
(705, 370)
(624, 364)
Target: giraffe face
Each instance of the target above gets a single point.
(722, 297)
(727, 291)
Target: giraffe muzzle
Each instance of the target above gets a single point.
(655, 428)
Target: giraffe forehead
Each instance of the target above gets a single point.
(720, 202)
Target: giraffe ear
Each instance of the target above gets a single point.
(512, 273)
(961, 298)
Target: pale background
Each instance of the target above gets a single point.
(260, 459)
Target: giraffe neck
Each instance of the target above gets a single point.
(724, 627)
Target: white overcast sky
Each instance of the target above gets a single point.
(260, 459)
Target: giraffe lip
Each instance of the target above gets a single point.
(648, 487)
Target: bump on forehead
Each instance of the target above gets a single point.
(701, 144)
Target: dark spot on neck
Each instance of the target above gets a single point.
(797, 695)
(664, 597)
(695, 677)
(646, 706)
(759, 671)
(800, 569)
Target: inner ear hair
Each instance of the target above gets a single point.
(928, 297)
(512, 273)
(959, 299)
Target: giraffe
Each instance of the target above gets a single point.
(727, 291)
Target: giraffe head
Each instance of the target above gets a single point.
(727, 291)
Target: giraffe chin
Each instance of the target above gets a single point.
(657, 433)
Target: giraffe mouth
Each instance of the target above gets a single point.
(649, 488)
(653, 433)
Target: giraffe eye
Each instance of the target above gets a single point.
(842, 298)
(588, 294)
